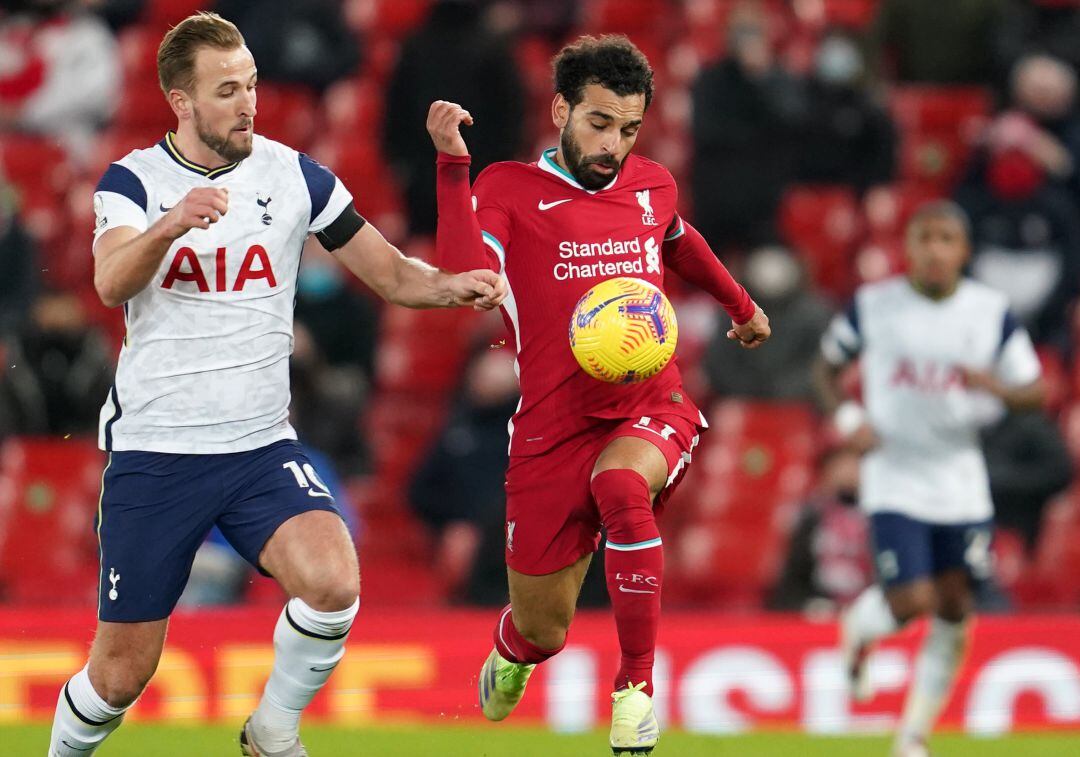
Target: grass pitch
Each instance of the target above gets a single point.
(210, 741)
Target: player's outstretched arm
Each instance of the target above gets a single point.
(125, 260)
(413, 283)
(459, 243)
(690, 256)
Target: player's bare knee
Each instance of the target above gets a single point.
(911, 602)
(550, 636)
(955, 609)
(120, 682)
(332, 590)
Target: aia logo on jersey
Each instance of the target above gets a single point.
(929, 377)
(647, 218)
(185, 266)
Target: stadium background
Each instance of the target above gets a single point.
(760, 547)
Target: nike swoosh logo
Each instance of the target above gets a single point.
(548, 205)
(635, 591)
(76, 748)
(322, 670)
(164, 209)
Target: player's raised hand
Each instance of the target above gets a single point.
(198, 209)
(754, 332)
(444, 125)
(482, 288)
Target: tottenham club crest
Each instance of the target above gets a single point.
(647, 217)
(114, 578)
(267, 219)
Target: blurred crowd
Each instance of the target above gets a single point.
(802, 132)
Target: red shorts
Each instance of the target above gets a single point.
(551, 519)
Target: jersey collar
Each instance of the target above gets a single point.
(547, 163)
(169, 146)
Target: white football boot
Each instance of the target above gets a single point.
(634, 730)
(501, 685)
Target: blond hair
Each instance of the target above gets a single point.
(176, 54)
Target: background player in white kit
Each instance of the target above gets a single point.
(199, 238)
(941, 357)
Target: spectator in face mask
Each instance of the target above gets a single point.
(343, 323)
(848, 138)
(776, 280)
(56, 371)
(746, 119)
(828, 561)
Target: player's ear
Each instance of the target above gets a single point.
(560, 111)
(180, 103)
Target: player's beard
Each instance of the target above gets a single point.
(580, 165)
(229, 150)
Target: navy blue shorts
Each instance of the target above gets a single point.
(906, 549)
(157, 508)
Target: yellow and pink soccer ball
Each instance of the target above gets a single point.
(623, 330)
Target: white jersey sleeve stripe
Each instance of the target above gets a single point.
(842, 342)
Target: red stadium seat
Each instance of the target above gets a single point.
(49, 491)
(934, 160)
(360, 165)
(1057, 554)
(354, 109)
(287, 114)
(856, 14)
(959, 110)
(822, 224)
(37, 167)
(143, 108)
(161, 14)
(395, 18)
(632, 17)
(719, 564)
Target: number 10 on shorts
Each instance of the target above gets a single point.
(307, 478)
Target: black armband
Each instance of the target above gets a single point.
(341, 229)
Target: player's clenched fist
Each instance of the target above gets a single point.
(197, 210)
(754, 332)
(483, 289)
(444, 125)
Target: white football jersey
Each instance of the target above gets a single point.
(929, 464)
(205, 362)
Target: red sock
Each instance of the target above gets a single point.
(634, 564)
(513, 646)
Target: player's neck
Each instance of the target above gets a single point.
(560, 161)
(933, 294)
(193, 149)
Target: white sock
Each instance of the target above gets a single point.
(869, 617)
(935, 669)
(83, 719)
(307, 646)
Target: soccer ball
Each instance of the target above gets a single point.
(623, 330)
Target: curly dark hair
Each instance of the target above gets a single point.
(612, 61)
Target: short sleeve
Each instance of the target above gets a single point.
(675, 229)
(329, 197)
(842, 342)
(1017, 363)
(119, 200)
(491, 213)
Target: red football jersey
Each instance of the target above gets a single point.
(554, 240)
